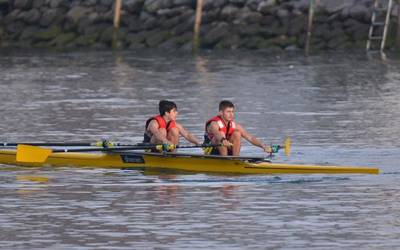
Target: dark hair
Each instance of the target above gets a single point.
(225, 104)
(166, 106)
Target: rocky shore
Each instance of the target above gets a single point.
(168, 24)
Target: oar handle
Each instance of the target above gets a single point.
(286, 146)
(274, 148)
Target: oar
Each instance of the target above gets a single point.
(103, 143)
(29, 153)
(286, 145)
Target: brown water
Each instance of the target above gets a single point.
(338, 108)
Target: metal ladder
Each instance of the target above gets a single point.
(376, 22)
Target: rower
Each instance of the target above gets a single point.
(223, 130)
(164, 129)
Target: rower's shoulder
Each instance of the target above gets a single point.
(152, 123)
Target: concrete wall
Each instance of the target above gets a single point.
(250, 24)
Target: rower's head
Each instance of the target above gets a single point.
(168, 109)
(227, 110)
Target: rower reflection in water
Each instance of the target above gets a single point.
(164, 129)
(223, 130)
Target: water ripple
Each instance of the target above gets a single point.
(340, 109)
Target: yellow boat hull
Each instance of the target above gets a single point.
(180, 162)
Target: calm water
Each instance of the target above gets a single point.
(338, 108)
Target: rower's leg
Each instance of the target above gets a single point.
(235, 140)
(222, 150)
(173, 136)
(154, 140)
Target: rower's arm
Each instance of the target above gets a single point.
(213, 128)
(252, 139)
(154, 129)
(187, 135)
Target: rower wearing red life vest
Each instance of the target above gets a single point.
(223, 130)
(164, 129)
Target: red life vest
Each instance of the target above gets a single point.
(161, 122)
(227, 129)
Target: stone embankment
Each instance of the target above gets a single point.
(168, 24)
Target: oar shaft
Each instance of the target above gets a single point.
(133, 147)
(72, 144)
(199, 146)
(102, 144)
(66, 150)
(54, 144)
(156, 145)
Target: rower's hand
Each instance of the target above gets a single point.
(104, 143)
(267, 149)
(274, 148)
(226, 143)
(168, 147)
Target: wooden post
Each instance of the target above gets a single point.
(387, 24)
(309, 26)
(117, 18)
(197, 23)
(398, 26)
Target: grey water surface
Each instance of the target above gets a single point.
(341, 109)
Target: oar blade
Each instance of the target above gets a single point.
(288, 143)
(27, 153)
